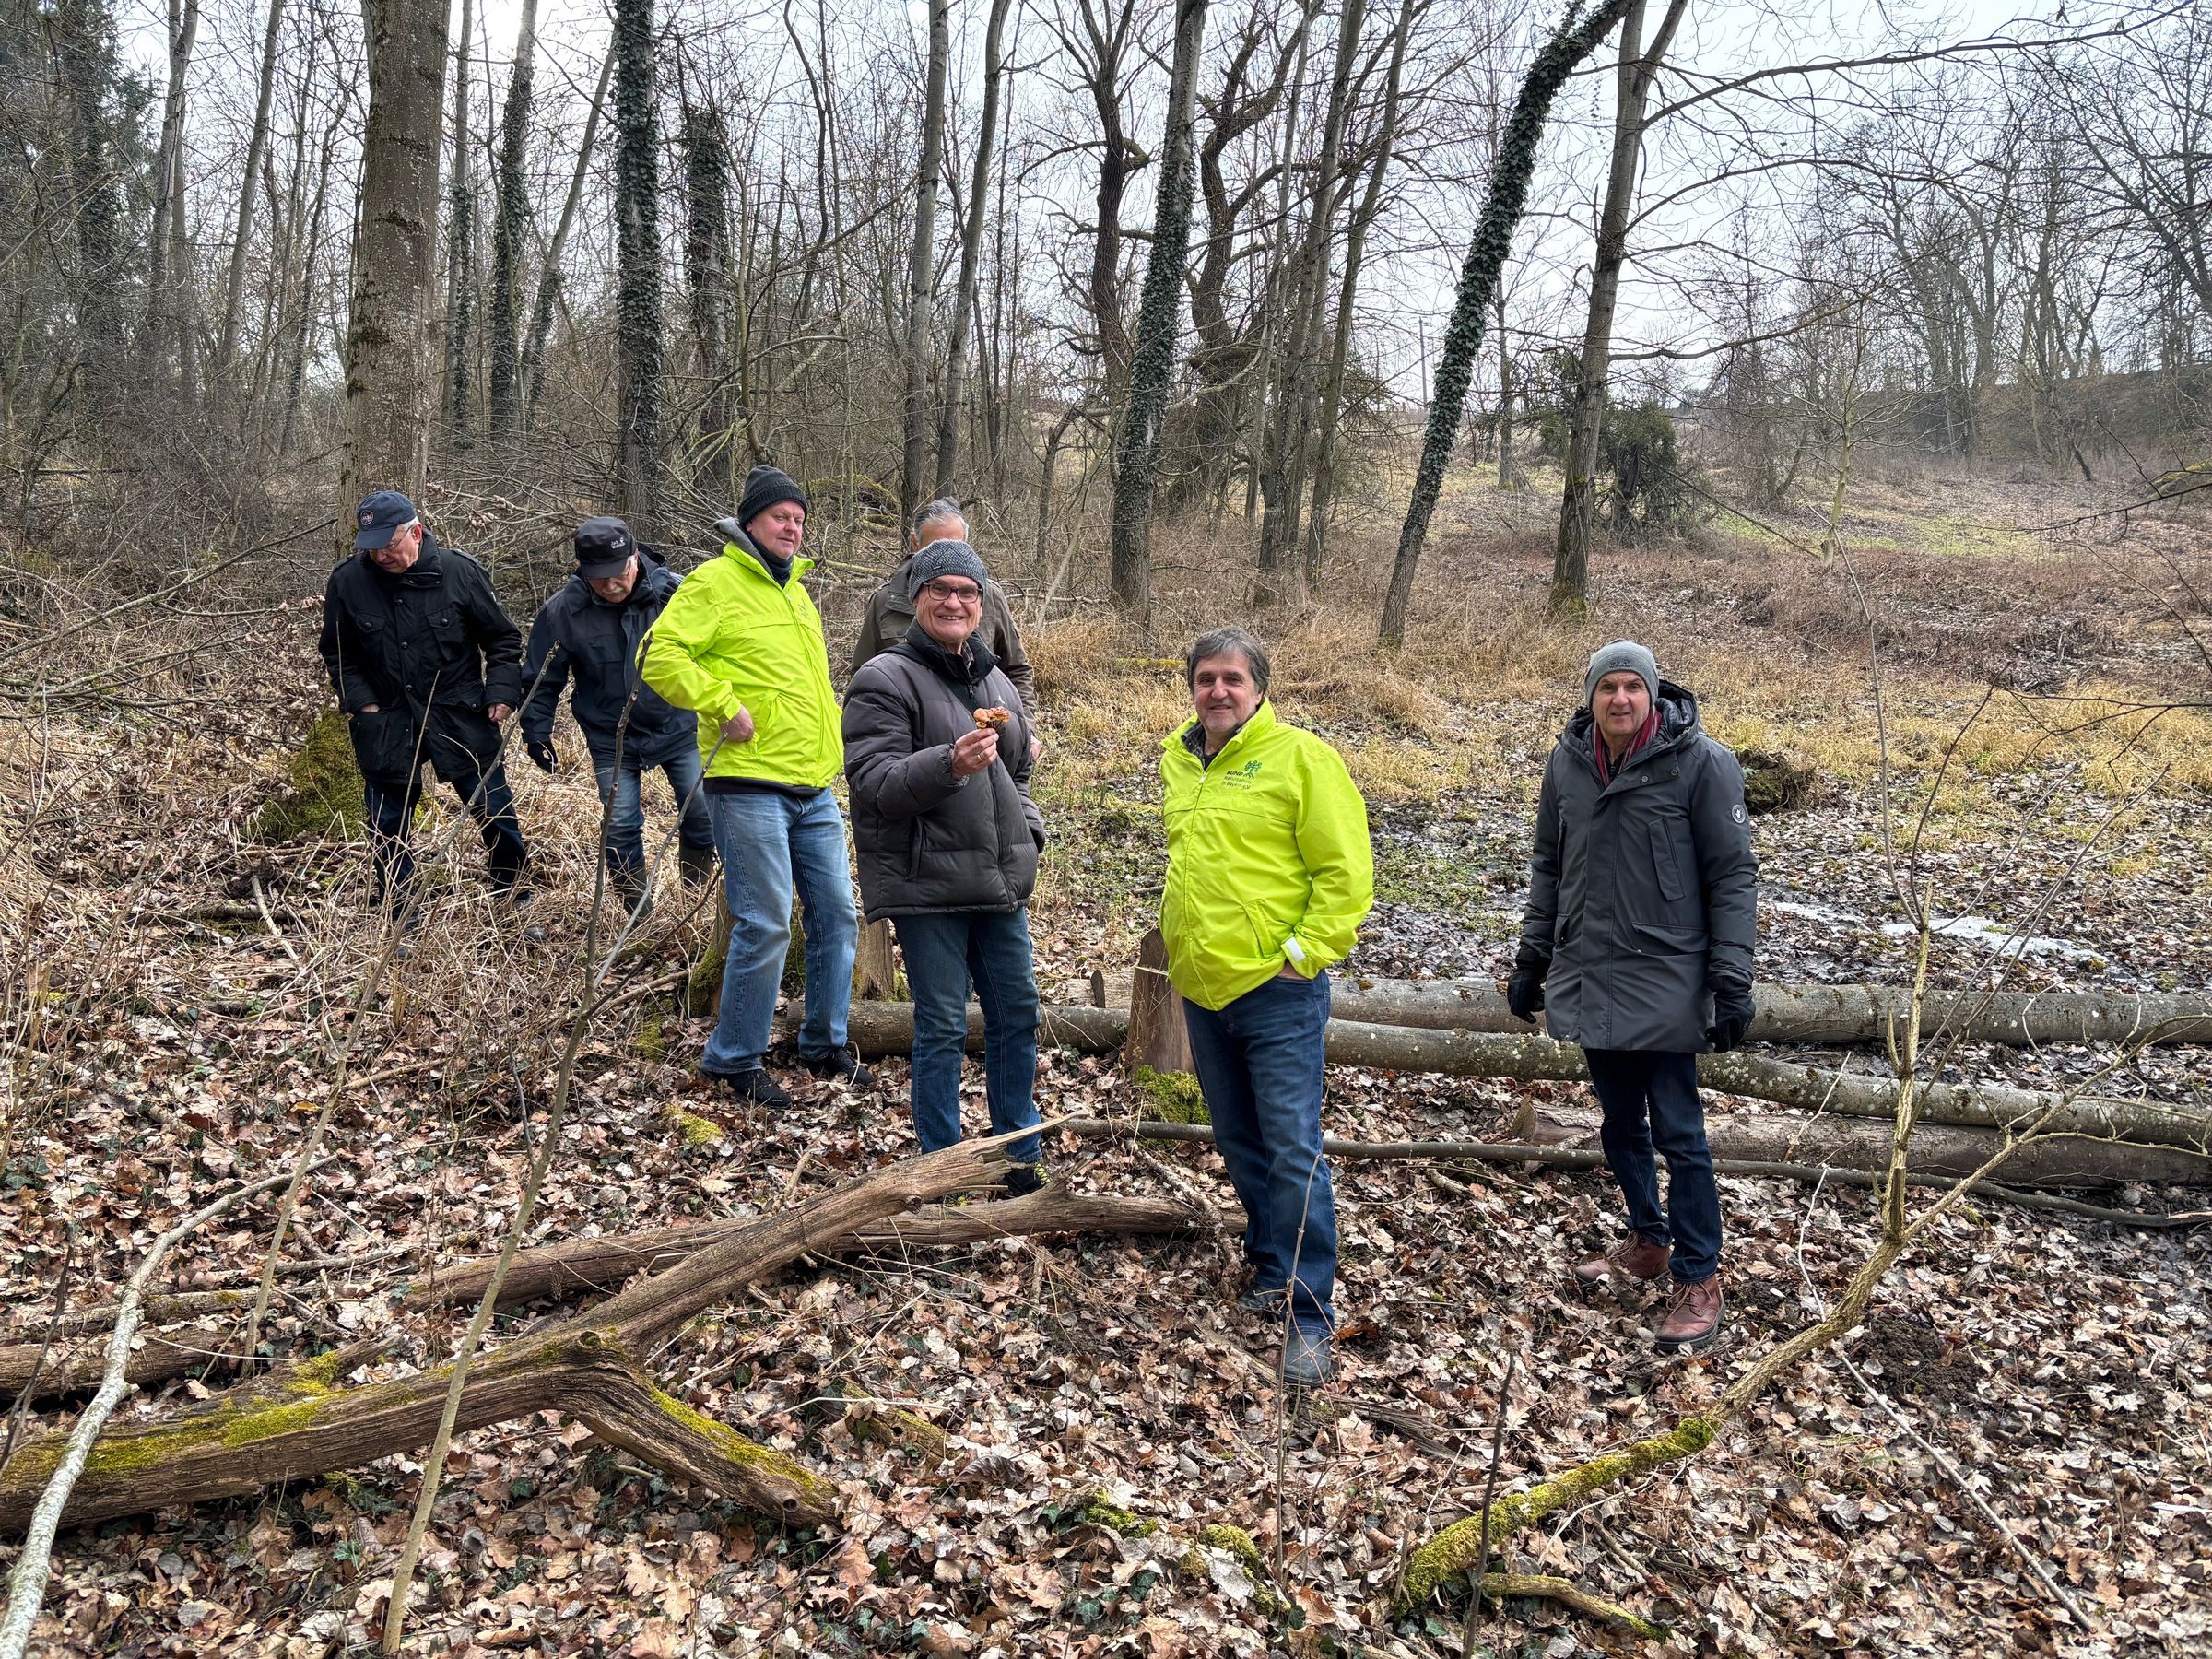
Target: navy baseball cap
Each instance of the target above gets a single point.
(381, 512)
(602, 549)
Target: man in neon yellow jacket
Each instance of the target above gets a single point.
(742, 643)
(1270, 873)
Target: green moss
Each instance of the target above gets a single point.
(1104, 1511)
(272, 1420)
(1454, 1551)
(732, 1447)
(652, 1041)
(695, 1130)
(322, 786)
(1171, 1097)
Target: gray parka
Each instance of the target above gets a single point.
(1644, 893)
(926, 840)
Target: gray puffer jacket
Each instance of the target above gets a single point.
(928, 840)
(1642, 892)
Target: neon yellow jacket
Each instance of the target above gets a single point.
(732, 638)
(1268, 859)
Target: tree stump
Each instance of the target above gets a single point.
(1157, 1036)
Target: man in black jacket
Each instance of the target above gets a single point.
(589, 631)
(938, 756)
(427, 666)
(1643, 917)
(890, 614)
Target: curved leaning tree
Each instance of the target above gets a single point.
(1575, 39)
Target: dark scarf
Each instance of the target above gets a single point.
(1645, 733)
(778, 567)
(970, 668)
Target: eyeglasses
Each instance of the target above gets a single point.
(963, 593)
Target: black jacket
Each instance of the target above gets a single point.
(891, 616)
(431, 648)
(599, 645)
(1642, 893)
(925, 840)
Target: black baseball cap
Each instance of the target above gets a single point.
(604, 547)
(380, 514)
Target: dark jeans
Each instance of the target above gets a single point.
(626, 821)
(944, 953)
(391, 802)
(1259, 1065)
(1651, 1104)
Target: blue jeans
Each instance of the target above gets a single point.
(1259, 1066)
(1651, 1104)
(626, 820)
(390, 812)
(944, 952)
(770, 843)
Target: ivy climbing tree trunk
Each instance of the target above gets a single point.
(1586, 410)
(921, 264)
(389, 363)
(637, 247)
(971, 247)
(1576, 38)
(510, 203)
(707, 275)
(1152, 361)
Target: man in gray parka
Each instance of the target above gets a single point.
(938, 756)
(1642, 916)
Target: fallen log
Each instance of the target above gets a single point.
(576, 1266)
(298, 1423)
(1828, 1014)
(888, 1028)
(1585, 1158)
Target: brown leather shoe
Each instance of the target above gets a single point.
(1635, 1256)
(1693, 1317)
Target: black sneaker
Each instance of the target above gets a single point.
(1024, 1179)
(1267, 1303)
(841, 1066)
(754, 1087)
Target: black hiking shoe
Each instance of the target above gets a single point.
(753, 1087)
(1024, 1179)
(840, 1065)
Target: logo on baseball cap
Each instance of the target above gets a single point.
(604, 547)
(380, 514)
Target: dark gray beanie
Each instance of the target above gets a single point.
(945, 558)
(1623, 656)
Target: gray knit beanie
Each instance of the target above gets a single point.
(1623, 656)
(945, 558)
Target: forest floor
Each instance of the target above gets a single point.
(2042, 697)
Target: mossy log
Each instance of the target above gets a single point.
(1827, 1014)
(323, 786)
(1458, 1549)
(299, 1425)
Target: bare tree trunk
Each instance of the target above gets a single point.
(1486, 253)
(1587, 412)
(460, 245)
(548, 278)
(1153, 362)
(638, 244)
(389, 393)
(971, 247)
(922, 266)
(510, 205)
(1354, 251)
(165, 276)
(257, 145)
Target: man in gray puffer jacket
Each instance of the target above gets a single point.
(937, 759)
(1642, 916)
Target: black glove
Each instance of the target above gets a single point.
(1731, 1012)
(1524, 991)
(542, 756)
